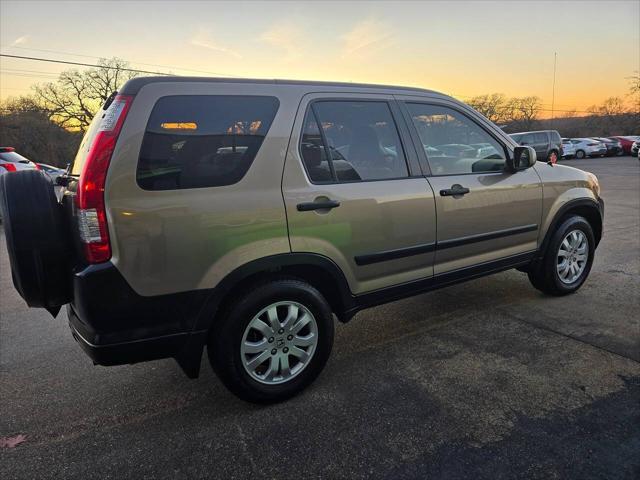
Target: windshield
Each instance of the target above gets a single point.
(13, 157)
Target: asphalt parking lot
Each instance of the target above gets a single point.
(487, 379)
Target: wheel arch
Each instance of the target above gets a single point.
(317, 270)
(591, 210)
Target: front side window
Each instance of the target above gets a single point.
(454, 144)
(359, 141)
(195, 141)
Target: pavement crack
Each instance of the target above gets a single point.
(245, 448)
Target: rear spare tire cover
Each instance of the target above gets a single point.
(38, 241)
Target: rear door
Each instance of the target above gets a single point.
(484, 213)
(354, 190)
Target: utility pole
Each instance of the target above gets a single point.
(553, 92)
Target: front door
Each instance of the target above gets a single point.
(484, 213)
(354, 191)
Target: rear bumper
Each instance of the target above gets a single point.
(121, 353)
(115, 326)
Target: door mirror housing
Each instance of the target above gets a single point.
(523, 158)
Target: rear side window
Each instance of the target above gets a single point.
(555, 136)
(196, 141)
(359, 137)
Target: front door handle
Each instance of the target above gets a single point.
(319, 205)
(454, 191)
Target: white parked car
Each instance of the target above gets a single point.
(568, 148)
(588, 147)
(10, 161)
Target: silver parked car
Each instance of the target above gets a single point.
(588, 147)
(245, 215)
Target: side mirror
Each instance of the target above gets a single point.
(523, 158)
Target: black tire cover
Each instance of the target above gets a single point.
(38, 240)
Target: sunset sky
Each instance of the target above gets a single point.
(457, 47)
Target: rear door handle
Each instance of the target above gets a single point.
(321, 205)
(454, 191)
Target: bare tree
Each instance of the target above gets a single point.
(612, 106)
(27, 127)
(73, 100)
(523, 111)
(492, 106)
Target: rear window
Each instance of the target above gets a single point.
(13, 157)
(196, 141)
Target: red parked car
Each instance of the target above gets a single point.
(627, 142)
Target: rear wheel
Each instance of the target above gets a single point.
(580, 154)
(273, 341)
(567, 261)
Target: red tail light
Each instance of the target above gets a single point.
(37, 166)
(9, 167)
(92, 215)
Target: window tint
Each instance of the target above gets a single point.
(195, 141)
(454, 143)
(361, 137)
(541, 137)
(516, 137)
(555, 136)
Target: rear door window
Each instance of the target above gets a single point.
(541, 137)
(196, 141)
(527, 139)
(360, 137)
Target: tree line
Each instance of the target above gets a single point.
(47, 125)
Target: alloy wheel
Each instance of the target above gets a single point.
(279, 342)
(573, 255)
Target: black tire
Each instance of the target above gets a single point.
(544, 275)
(580, 154)
(37, 239)
(226, 337)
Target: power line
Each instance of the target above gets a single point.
(50, 60)
(138, 63)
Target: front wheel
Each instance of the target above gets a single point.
(567, 260)
(580, 154)
(273, 341)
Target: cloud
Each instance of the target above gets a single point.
(285, 36)
(365, 37)
(20, 40)
(203, 39)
